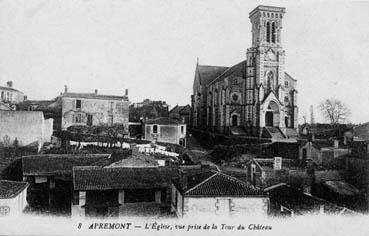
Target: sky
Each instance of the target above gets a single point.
(150, 47)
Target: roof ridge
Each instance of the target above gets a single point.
(226, 71)
(238, 181)
(201, 183)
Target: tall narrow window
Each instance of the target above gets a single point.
(273, 32)
(270, 81)
(78, 104)
(154, 129)
(268, 32)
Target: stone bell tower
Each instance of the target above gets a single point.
(265, 69)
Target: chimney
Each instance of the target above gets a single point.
(277, 165)
(65, 89)
(9, 84)
(126, 93)
(95, 91)
(336, 143)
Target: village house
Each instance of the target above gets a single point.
(265, 172)
(147, 110)
(13, 196)
(122, 188)
(212, 193)
(50, 177)
(10, 95)
(27, 127)
(322, 152)
(286, 200)
(166, 130)
(93, 109)
(181, 113)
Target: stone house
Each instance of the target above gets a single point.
(116, 190)
(266, 172)
(166, 130)
(255, 95)
(93, 109)
(13, 196)
(51, 177)
(181, 113)
(286, 200)
(212, 193)
(322, 152)
(10, 95)
(28, 127)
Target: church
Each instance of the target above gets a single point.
(255, 97)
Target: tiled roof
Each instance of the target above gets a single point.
(94, 96)
(163, 121)
(238, 70)
(215, 183)
(208, 73)
(137, 160)
(10, 189)
(98, 178)
(178, 109)
(44, 165)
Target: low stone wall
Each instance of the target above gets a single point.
(209, 139)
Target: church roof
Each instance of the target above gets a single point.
(289, 76)
(208, 73)
(238, 70)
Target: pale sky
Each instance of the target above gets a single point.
(151, 46)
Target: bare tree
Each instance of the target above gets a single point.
(334, 111)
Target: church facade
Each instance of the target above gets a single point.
(255, 97)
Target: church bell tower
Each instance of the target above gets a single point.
(265, 65)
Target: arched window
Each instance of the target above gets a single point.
(273, 32)
(154, 129)
(253, 61)
(268, 32)
(270, 81)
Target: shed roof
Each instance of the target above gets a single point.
(104, 178)
(57, 164)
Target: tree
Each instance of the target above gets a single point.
(334, 111)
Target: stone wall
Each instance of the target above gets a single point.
(233, 206)
(28, 127)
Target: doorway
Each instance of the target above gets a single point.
(269, 118)
(234, 120)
